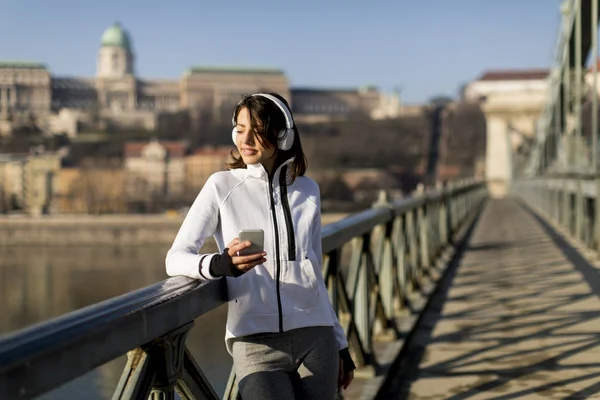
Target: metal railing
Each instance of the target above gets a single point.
(562, 181)
(393, 248)
(564, 141)
(570, 202)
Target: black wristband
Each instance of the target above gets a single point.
(221, 265)
(347, 363)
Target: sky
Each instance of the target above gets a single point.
(423, 48)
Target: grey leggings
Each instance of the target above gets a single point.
(298, 364)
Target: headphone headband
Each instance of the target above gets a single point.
(289, 121)
(285, 137)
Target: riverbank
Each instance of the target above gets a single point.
(92, 230)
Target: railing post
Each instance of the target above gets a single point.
(152, 371)
(169, 351)
(596, 233)
(449, 225)
(556, 207)
(566, 205)
(579, 203)
(361, 300)
(413, 251)
(384, 257)
(332, 278)
(443, 218)
(422, 220)
(399, 240)
(386, 272)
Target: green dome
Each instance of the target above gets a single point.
(115, 36)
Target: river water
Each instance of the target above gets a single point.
(40, 283)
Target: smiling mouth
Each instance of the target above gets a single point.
(249, 152)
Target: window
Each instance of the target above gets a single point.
(115, 62)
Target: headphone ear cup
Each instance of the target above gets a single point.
(285, 139)
(234, 136)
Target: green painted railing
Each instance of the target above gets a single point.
(571, 202)
(372, 262)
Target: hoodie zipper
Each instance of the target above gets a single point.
(289, 225)
(289, 230)
(277, 260)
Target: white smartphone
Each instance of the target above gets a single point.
(257, 239)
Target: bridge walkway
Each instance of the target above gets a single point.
(517, 317)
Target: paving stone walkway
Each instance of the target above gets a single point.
(521, 319)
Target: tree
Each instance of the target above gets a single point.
(97, 191)
(334, 188)
(463, 137)
(440, 100)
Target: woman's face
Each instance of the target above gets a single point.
(249, 147)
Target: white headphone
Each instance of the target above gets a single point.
(285, 138)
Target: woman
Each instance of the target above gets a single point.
(284, 337)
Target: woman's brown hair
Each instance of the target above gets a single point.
(267, 119)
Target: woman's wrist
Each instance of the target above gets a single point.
(347, 363)
(221, 265)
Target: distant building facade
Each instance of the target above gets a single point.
(317, 104)
(116, 96)
(153, 175)
(512, 102)
(30, 94)
(519, 95)
(155, 169)
(27, 182)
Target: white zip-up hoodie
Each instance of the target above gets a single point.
(287, 291)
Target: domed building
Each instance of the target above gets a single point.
(115, 57)
(28, 91)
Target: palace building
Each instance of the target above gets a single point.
(31, 95)
(29, 92)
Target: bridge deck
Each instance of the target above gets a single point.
(519, 318)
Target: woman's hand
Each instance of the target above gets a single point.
(247, 262)
(344, 377)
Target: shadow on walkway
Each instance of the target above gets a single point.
(518, 318)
